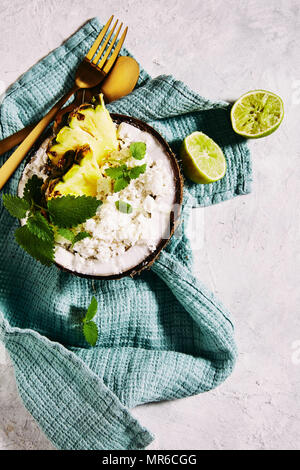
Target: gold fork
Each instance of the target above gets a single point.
(92, 71)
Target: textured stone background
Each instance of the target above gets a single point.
(249, 255)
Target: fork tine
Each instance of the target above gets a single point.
(101, 35)
(115, 54)
(103, 60)
(99, 54)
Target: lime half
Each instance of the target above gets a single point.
(203, 160)
(257, 114)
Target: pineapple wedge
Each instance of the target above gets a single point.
(81, 179)
(79, 150)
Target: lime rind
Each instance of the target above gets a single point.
(257, 113)
(203, 160)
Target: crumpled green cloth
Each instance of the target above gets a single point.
(162, 334)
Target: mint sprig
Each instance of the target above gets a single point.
(33, 191)
(89, 327)
(136, 171)
(121, 183)
(138, 150)
(38, 225)
(70, 211)
(16, 206)
(69, 235)
(116, 172)
(122, 175)
(81, 236)
(36, 237)
(39, 249)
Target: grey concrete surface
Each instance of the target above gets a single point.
(249, 254)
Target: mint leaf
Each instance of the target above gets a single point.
(91, 311)
(90, 329)
(38, 225)
(16, 206)
(116, 172)
(40, 250)
(120, 184)
(90, 332)
(32, 191)
(81, 236)
(136, 171)
(122, 174)
(123, 207)
(138, 150)
(70, 211)
(67, 234)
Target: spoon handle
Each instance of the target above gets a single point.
(14, 139)
(10, 142)
(12, 163)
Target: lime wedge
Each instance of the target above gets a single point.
(203, 160)
(257, 114)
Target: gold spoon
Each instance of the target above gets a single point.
(120, 82)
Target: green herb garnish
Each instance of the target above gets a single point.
(35, 246)
(121, 183)
(33, 193)
(136, 171)
(69, 235)
(90, 329)
(123, 207)
(81, 236)
(116, 172)
(138, 150)
(38, 225)
(62, 213)
(16, 206)
(122, 175)
(66, 233)
(70, 211)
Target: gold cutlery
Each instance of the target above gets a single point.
(120, 81)
(92, 71)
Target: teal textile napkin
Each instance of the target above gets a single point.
(162, 334)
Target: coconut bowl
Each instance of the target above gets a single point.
(174, 218)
